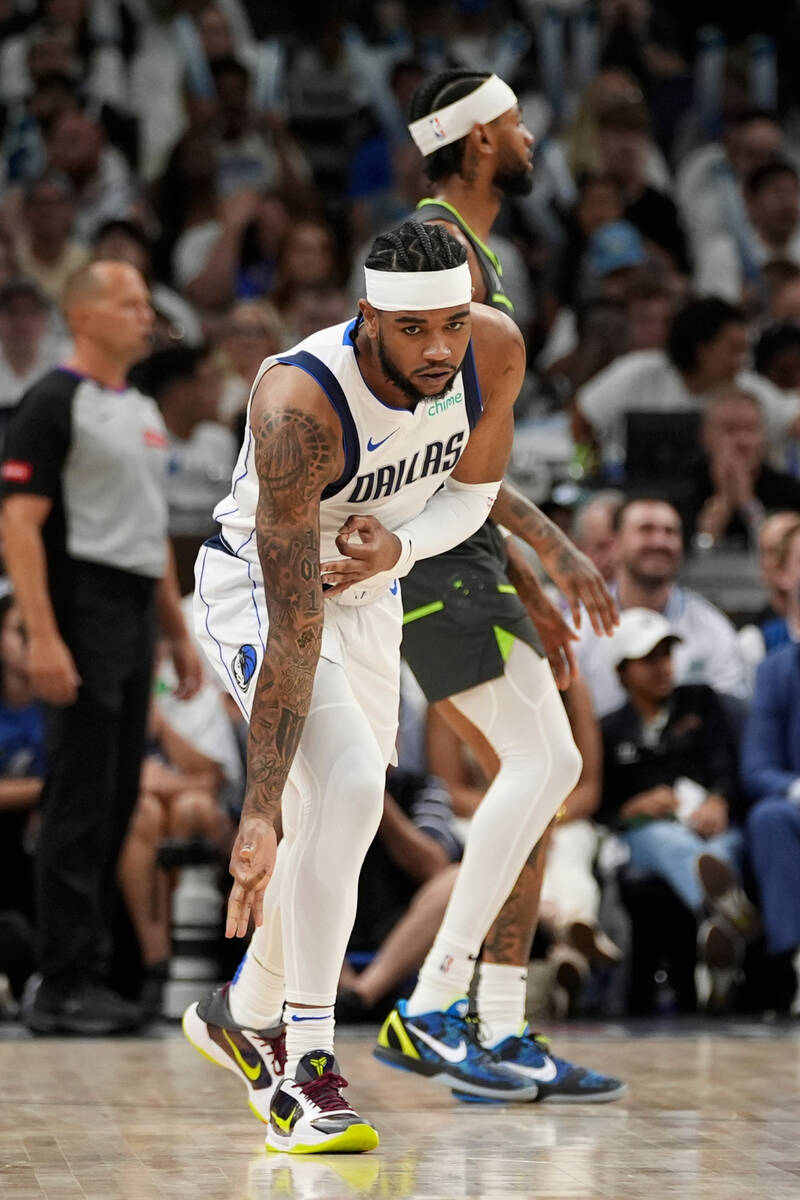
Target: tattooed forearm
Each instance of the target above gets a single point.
(524, 519)
(295, 457)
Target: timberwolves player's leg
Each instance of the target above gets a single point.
(474, 645)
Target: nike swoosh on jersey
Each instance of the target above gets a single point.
(451, 1054)
(374, 445)
(252, 1073)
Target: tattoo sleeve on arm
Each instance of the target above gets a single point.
(295, 456)
(524, 519)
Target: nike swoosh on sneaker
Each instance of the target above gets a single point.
(451, 1054)
(374, 445)
(252, 1073)
(545, 1074)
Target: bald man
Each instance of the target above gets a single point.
(84, 522)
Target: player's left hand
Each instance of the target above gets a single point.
(370, 549)
(188, 666)
(576, 576)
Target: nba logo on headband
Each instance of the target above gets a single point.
(436, 128)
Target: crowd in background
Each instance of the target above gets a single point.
(242, 158)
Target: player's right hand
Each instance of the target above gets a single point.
(52, 671)
(370, 549)
(252, 863)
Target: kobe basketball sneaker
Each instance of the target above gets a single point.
(256, 1056)
(444, 1046)
(309, 1114)
(557, 1081)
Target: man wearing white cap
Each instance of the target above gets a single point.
(472, 645)
(670, 782)
(368, 446)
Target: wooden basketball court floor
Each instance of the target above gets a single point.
(713, 1111)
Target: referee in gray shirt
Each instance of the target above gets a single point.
(84, 522)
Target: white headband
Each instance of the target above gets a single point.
(413, 291)
(454, 121)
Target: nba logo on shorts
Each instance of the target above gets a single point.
(244, 665)
(436, 125)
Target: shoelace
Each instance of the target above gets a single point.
(277, 1046)
(324, 1092)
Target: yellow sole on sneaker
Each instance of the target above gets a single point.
(358, 1139)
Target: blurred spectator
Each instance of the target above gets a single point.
(314, 307)
(85, 539)
(186, 383)
(777, 356)
(705, 351)
(670, 784)
(735, 487)
(252, 332)
(601, 334)
(614, 257)
(611, 90)
(308, 258)
(649, 552)
(771, 774)
(784, 303)
(710, 180)
(650, 307)
(46, 250)
(27, 350)
(599, 203)
(126, 241)
(733, 267)
(774, 544)
(622, 147)
(193, 758)
(403, 890)
(102, 180)
(21, 773)
(255, 149)
(570, 899)
(593, 531)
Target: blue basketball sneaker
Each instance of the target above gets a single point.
(557, 1081)
(444, 1046)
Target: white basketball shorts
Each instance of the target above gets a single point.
(231, 622)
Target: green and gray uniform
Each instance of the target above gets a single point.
(461, 613)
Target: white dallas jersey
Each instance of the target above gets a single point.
(394, 458)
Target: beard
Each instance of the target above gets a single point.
(514, 178)
(394, 375)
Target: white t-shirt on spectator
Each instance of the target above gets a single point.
(200, 469)
(709, 653)
(718, 263)
(52, 350)
(202, 721)
(193, 250)
(646, 381)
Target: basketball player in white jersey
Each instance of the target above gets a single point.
(369, 446)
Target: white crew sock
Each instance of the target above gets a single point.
(501, 1000)
(255, 997)
(445, 977)
(307, 1029)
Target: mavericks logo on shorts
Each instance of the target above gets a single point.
(244, 666)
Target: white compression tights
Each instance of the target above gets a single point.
(331, 810)
(523, 719)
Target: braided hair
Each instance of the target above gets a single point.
(416, 247)
(436, 93)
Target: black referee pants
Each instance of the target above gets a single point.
(95, 750)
